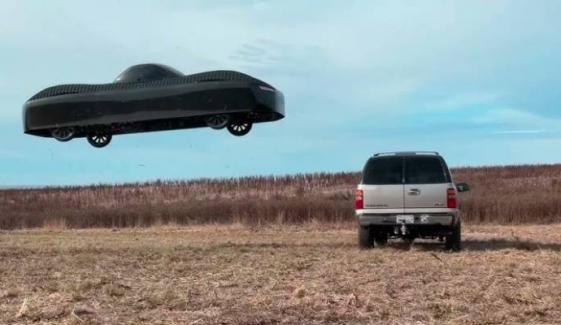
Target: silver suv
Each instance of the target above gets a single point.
(408, 195)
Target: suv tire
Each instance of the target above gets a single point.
(454, 240)
(380, 238)
(365, 237)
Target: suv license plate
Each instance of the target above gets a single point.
(405, 218)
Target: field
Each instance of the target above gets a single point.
(260, 250)
(276, 274)
(499, 195)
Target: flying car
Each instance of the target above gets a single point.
(152, 97)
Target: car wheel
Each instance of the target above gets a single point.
(454, 240)
(99, 140)
(365, 237)
(63, 134)
(381, 239)
(217, 122)
(240, 127)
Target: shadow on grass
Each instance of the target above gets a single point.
(499, 244)
(473, 245)
(420, 244)
(485, 245)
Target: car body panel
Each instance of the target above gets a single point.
(382, 199)
(425, 196)
(163, 104)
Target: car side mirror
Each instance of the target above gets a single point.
(462, 187)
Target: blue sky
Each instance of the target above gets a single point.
(478, 81)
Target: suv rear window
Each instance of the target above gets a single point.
(424, 170)
(383, 171)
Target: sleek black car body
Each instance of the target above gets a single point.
(152, 97)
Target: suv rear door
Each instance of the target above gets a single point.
(382, 185)
(427, 180)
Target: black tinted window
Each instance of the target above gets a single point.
(424, 170)
(383, 171)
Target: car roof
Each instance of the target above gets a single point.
(407, 153)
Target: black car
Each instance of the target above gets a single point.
(152, 97)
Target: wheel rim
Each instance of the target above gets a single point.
(217, 121)
(240, 128)
(63, 134)
(99, 140)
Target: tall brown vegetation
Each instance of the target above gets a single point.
(511, 194)
(502, 194)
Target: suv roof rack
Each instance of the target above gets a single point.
(406, 153)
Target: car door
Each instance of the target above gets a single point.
(382, 185)
(426, 184)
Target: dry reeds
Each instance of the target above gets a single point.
(509, 194)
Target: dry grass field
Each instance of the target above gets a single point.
(260, 250)
(276, 274)
(500, 195)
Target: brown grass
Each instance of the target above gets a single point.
(277, 274)
(504, 195)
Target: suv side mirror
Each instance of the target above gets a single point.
(462, 187)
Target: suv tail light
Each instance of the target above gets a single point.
(359, 199)
(451, 199)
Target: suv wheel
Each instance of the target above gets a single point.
(454, 240)
(381, 238)
(365, 237)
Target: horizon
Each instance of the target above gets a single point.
(219, 179)
(358, 77)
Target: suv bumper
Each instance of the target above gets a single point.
(419, 219)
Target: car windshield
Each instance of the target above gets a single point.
(424, 170)
(383, 171)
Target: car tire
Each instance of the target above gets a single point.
(217, 122)
(365, 237)
(239, 127)
(99, 140)
(454, 240)
(63, 134)
(381, 238)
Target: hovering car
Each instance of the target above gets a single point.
(152, 97)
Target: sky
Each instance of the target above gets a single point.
(478, 81)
